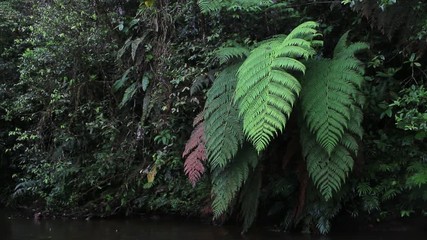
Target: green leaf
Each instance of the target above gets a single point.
(227, 182)
(331, 89)
(129, 93)
(328, 171)
(122, 81)
(226, 54)
(267, 89)
(145, 83)
(224, 135)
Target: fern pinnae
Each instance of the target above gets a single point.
(319, 96)
(306, 30)
(195, 151)
(341, 44)
(331, 103)
(224, 135)
(266, 89)
(351, 50)
(227, 54)
(227, 182)
(200, 83)
(330, 91)
(209, 6)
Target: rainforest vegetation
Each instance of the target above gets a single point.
(291, 112)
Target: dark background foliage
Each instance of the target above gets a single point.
(97, 100)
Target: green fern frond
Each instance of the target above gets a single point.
(331, 91)
(341, 44)
(266, 88)
(214, 6)
(390, 194)
(364, 188)
(417, 175)
(228, 181)
(326, 101)
(200, 83)
(209, 6)
(328, 171)
(226, 54)
(224, 135)
(249, 199)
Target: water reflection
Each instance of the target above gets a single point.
(135, 229)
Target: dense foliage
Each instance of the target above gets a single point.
(301, 109)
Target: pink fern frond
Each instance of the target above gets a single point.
(195, 152)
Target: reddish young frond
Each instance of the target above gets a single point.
(195, 151)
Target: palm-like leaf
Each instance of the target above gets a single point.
(224, 135)
(331, 103)
(226, 54)
(328, 171)
(266, 88)
(195, 152)
(228, 181)
(330, 91)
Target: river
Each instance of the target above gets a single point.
(17, 228)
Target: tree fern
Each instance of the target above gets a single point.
(228, 181)
(330, 91)
(195, 152)
(224, 135)
(266, 89)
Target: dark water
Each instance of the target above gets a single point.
(135, 229)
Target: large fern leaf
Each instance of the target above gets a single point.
(330, 90)
(328, 171)
(228, 181)
(266, 88)
(331, 102)
(224, 135)
(195, 152)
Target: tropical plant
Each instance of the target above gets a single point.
(214, 6)
(331, 104)
(195, 151)
(266, 89)
(253, 101)
(411, 114)
(104, 92)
